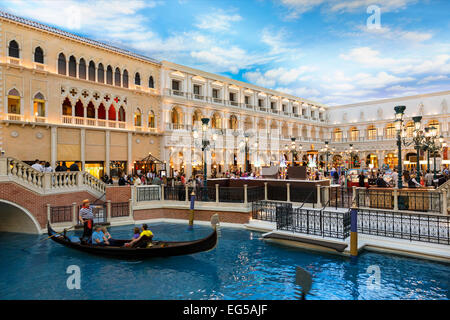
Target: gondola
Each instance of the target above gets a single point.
(157, 249)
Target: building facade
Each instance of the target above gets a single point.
(68, 98)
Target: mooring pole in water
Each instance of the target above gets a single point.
(191, 210)
(354, 231)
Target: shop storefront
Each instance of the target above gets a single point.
(390, 161)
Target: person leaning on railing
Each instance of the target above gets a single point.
(412, 182)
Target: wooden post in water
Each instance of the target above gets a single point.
(191, 210)
(354, 231)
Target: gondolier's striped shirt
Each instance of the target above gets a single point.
(86, 213)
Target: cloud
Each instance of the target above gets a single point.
(298, 7)
(281, 75)
(387, 32)
(217, 21)
(432, 79)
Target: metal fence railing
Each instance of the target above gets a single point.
(61, 214)
(255, 194)
(417, 200)
(339, 197)
(301, 194)
(148, 193)
(277, 193)
(413, 227)
(231, 194)
(314, 222)
(120, 209)
(267, 210)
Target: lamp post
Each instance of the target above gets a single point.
(205, 145)
(327, 154)
(399, 112)
(246, 135)
(293, 149)
(417, 137)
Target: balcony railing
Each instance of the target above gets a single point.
(80, 121)
(234, 103)
(217, 100)
(14, 117)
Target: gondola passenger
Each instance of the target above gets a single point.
(98, 237)
(145, 237)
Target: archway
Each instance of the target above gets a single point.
(14, 218)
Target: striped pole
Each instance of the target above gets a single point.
(191, 210)
(354, 232)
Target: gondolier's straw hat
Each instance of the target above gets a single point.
(85, 201)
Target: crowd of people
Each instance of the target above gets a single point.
(44, 166)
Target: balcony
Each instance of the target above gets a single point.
(39, 66)
(263, 109)
(199, 97)
(234, 103)
(249, 106)
(217, 100)
(14, 61)
(40, 119)
(176, 126)
(274, 111)
(91, 122)
(14, 117)
(296, 115)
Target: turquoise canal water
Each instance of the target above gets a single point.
(241, 267)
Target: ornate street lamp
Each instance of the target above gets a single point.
(327, 154)
(399, 112)
(417, 138)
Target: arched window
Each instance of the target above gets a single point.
(435, 123)
(196, 118)
(151, 120)
(13, 50)
(122, 114)
(62, 64)
(337, 134)
(91, 72)
(390, 131)
(175, 116)
(79, 109)
(109, 75)
(38, 55)
(215, 121)
(138, 118)
(137, 79)
(410, 129)
(101, 113)
(117, 77)
(82, 69)
(112, 113)
(354, 134)
(372, 133)
(13, 101)
(100, 73)
(72, 66)
(233, 122)
(39, 105)
(151, 84)
(125, 79)
(90, 111)
(67, 107)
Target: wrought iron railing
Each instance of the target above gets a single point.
(322, 223)
(408, 226)
(61, 214)
(267, 210)
(120, 209)
(255, 194)
(148, 193)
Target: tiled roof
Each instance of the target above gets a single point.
(60, 32)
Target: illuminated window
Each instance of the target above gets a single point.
(138, 118)
(151, 120)
(39, 105)
(390, 131)
(410, 129)
(337, 134)
(372, 133)
(67, 108)
(435, 123)
(354, 134)
(13, 101)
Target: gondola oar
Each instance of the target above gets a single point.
(304, 280)
(57, 233)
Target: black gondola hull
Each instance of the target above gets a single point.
(162, 249)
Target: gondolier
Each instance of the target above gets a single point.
(86, 217)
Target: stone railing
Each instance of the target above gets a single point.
(52, 182)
